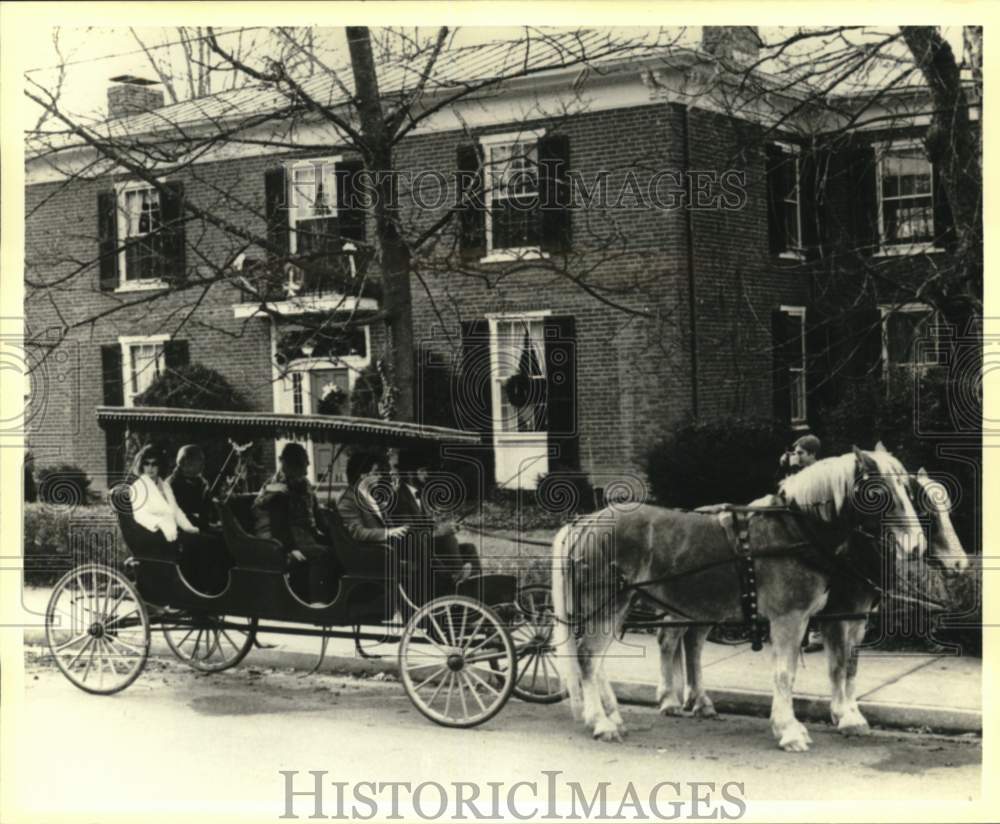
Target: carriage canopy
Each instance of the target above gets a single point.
(329, 428)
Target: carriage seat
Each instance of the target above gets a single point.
(144, 544)
(249, 551)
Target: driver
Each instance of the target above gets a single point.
(286, 509)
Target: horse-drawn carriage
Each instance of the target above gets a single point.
(464, 647)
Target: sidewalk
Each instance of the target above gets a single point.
(940, 693)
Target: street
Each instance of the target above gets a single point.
(179, 740)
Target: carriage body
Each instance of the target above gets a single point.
(215, 629)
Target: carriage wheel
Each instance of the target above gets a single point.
(452, 678)
(531, 630)
(97, 629)
(211, 643)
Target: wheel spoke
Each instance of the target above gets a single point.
(482, 681)
(483, 643)
(432, 676)
(90, 641)
(461, 695)
(451, 685)
(472, 688)
(70, 643)
(90, 661)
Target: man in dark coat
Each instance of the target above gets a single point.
(286, 509)
(205, 560)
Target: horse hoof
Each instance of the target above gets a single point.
(795, 745)
(675, 710)
(855, 730)
(609, 734)
(796, 738)
(705, 711)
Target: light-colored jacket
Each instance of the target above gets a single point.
(154, 507)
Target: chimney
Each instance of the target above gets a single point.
(731, 44)
(132, 95)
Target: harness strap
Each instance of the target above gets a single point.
(747, 575)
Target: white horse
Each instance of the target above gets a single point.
(686, 562)
(681, 647)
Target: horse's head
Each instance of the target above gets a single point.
(882, 502)
(932, 501)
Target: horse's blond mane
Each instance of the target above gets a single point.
(825, 484)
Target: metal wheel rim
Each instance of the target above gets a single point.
(97, 629)
(474, 692)
(531, 631)
(204, 644)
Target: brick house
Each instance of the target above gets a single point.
(573, 335)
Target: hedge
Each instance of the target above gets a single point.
(57, 538)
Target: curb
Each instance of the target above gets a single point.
(729, 701)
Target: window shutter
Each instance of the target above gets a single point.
(471, 207)
(864, 201)
(560, 372)
(820, 368)
(276, 208)
(175, 353)
(173, 247)
(107, 239)
(780, 378)
(115, 448)
(474, 401)
(350, 212)
(554, 193)
(777, 240)
(813, 166)
(944, 224)
(866, 342)
(111, 375)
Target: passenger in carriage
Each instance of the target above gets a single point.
(286, 509)
(190, 488)
(360, 510)
(410, 482)
(205, 562)
(153, 503)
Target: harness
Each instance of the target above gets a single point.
(833, 559)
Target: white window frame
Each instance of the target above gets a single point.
(126, 342)
(488, 143)
(293, 209)
(798, 387)
(794, 252)
(121, 225)
(887, 310)
(885, 248)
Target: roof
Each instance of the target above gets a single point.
(545, 54)
(336, 429)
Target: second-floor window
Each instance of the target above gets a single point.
(139, 227)
(512, 217)
(785, 200)
(313, 207)
(906, 197)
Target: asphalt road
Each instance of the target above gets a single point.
(212, 745)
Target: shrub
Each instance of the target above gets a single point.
(193, 386)
(704, 462)
(64, 484)
(57, 538)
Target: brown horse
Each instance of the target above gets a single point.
(686, 563)
(681, 647)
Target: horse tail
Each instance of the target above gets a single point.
(563, 636)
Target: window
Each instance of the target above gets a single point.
(906, 197)
(313, 213)
(784, 200)
(519, 350)
(141, 262)
(297, 405)
(512, 193)
(142, 362)
(795, 358)
(911, 336)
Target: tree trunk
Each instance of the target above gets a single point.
(393, 251)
